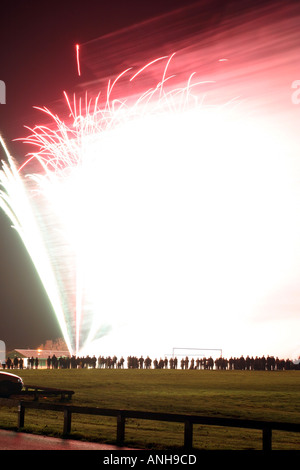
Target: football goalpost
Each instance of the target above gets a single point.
(197, 352)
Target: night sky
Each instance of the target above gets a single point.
(38, 62)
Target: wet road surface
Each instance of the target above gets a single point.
(12, 440)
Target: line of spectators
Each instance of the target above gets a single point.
(200, 363)
(221, 363)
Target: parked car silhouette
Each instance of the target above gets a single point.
(10, 384)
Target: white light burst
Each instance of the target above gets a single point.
(148, 209)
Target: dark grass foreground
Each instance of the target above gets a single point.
(255, 395)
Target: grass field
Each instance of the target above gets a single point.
(271, 396)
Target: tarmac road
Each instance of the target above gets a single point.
(12, 440)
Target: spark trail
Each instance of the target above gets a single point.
(78, 59)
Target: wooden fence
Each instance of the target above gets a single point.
(188, 420)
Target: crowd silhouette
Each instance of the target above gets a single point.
(269, 363)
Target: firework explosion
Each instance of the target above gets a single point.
(134, 210)
(57, 208)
